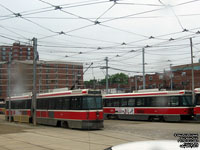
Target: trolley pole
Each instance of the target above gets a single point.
(106, 75)
(193, 100)
(143, 64)
(9, 89)
(34, 99)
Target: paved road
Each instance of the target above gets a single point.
(27, 137)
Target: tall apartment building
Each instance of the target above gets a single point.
(17, 51)
(50, 74)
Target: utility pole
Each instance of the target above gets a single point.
(9, 89)
(106, 59)
(34, 99)
(136, 83)
(143, 64)
(193, 100)
(171, 84)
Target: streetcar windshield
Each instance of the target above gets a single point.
(92, 102)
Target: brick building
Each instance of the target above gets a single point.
(50, 74)
(18, 52)
(181, 79)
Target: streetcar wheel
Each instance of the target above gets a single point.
(64, 124)
(161, 119)
(58, 124)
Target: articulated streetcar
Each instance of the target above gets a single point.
(149, 105)
(2, 107)
(74, 109)
(197, 104)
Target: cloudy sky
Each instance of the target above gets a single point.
(87, 31)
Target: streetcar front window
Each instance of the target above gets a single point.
(187, 101)
(92, 102)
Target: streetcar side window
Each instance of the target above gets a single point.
(124, 102)
(75, 103)
(42, 103)
(140, 102)
(174, 101)
(159, 101)
(66, 103)
(116, 103)
(51, 103)
(131, 102)
(59, 103)
(109, 102)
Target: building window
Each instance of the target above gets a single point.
(3, 48)
(29, 53)
(3, 57)
(150, 78)
(160, 77)
(47, 71)
(28, 49)
(183, 73)
(3, 53)
(15, 50)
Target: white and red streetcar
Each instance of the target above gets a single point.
(149, 105)
(2, 107)
(197, 104)
(74, 109)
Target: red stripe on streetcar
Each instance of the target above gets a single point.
(72, 115)
(147, 111)
(197, 110)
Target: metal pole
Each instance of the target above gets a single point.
(193, 100)
(106, 75)
(171, 84)
(34, 99)
(135, 83)
(9, 78)
(143, 63)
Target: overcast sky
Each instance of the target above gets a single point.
(87, 31)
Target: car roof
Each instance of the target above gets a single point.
(150, 145)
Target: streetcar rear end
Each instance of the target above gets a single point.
(81, 109)
(2, 107)
(197, 104)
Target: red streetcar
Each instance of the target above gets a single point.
(149, 105)
(197, 104)
(74, 109)
(2, 107)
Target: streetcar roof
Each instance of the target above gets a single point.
(58, 94)
(147, 94)
(197, 90)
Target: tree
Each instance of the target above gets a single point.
(119, 78)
